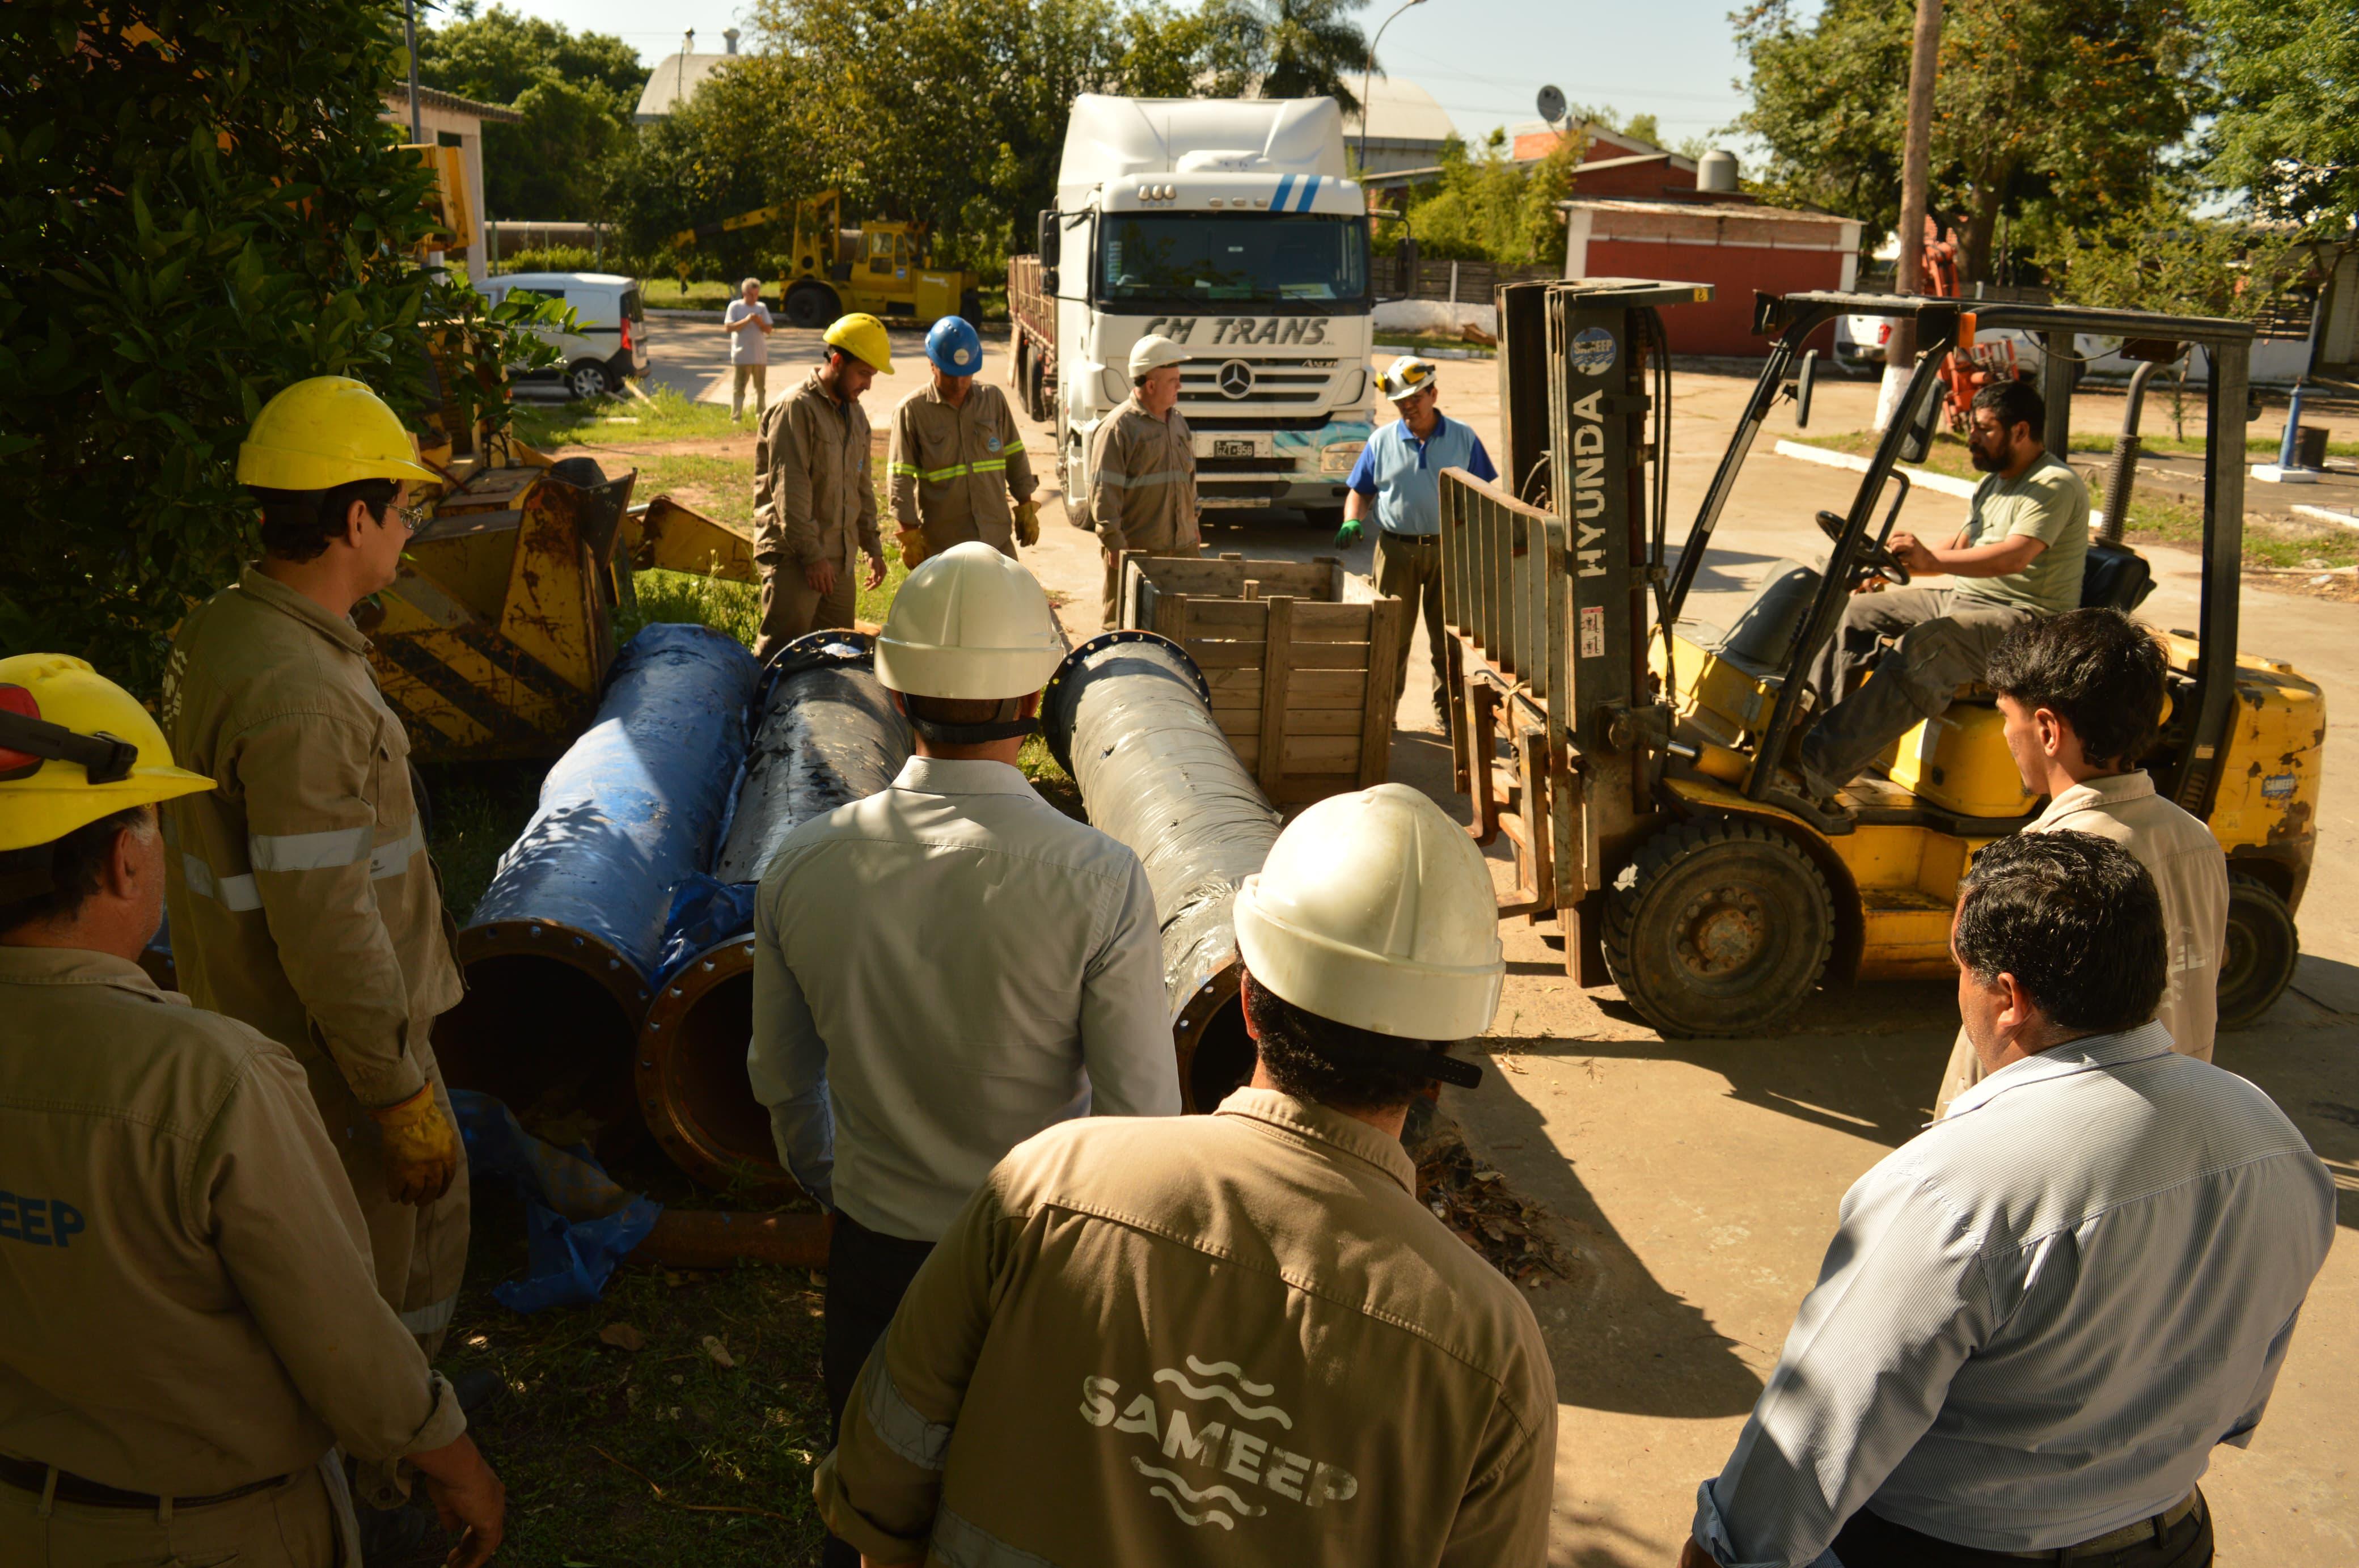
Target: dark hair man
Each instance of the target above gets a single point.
(1236, 1338)
(2081, 696)
(2038, 1315)
(814, 499)
(2018, 557)
(193, 1325)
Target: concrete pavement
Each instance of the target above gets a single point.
(1697, 1183)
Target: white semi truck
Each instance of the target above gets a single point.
(1227, 226)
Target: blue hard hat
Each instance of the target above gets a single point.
(955, 347)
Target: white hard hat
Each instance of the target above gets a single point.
(1407, 375)
(969, 622)
(1374, 909)
(1153, 353)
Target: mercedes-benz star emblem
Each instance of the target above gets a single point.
(1235, 379)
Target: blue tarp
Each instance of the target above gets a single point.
(578, 1222)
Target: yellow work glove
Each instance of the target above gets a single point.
(913, 547)
(421, 1149)
(1027, 523)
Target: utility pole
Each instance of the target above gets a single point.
(410, 35)
(1916, 175)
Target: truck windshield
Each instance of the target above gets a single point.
(1196, 258)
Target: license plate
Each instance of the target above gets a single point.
(1233, 448)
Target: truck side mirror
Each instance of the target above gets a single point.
(1804, 384)
(1050, 235)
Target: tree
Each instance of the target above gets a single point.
(2064, 105)
(2162, 257)
(2286, 133)
(1484, 208)
(577, 93)
(187, 222)
(1286, 48)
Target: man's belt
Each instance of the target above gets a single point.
(31, 1475)
(2133, 1534)
(1391, 538)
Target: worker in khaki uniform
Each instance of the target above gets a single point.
(956, 457)
(1236, 1338)
(193, 1322)
(303, 900)
(950, 965)
(2083, 695)
(814, 499)
(1142, 468)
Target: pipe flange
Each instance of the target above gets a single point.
(832, 649)
(1056, 726)
(687, 1072)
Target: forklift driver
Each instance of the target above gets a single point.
(2018, 557)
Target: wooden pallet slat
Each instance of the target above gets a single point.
(1277, 662)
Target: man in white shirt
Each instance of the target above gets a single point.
(2040, 1315)
(748, 323)
(2082, 696)
(950, 965)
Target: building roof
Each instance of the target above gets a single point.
(675, 79)
(397, 104)
(1398, 111)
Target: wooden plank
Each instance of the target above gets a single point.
(1236, 722)
(1331, 622)
(1240, 619)
(1234, 686)
(1320, 754)
(1329, 655)
(1385, 631)
(1248, 749)
(1276, 665)
(1326, 688)
(1170, 615)
(1212, 655)
(1193, 577)
(1302, 789)
(1320, 721)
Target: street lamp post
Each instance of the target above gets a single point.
(1367, 76)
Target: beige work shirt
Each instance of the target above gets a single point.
(183, 1273)
(303, 900)
(1224, 1339)
(954, 468)
(1143, 481)
(2191, 872)
(814, 499)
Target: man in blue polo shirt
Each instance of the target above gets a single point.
(1399, 474)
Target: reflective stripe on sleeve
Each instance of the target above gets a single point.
(337, 846)
(1011, 449)
(905, 469)
(431, 1320)
(239, 895)
(1141, 481)
(393, 859)
(962, 1543)
(901, 1427)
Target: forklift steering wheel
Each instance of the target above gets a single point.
(1873, 558)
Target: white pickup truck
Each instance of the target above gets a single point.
(1227, 226)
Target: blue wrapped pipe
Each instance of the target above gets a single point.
(561, 954)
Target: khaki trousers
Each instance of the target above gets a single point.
(289, 1526)
(791, 607)
(420, 1254)
(1942, 642)
(759, 374)
(1409, 568)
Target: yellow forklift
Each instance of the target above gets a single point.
(884, 267)
(1635, 757)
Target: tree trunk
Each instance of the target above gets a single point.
(1981, 230)
(1916, 165)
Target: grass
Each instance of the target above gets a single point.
(1426, 342)
(662, 415)
(2158, 519)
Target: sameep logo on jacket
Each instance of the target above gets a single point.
(1216, 1451)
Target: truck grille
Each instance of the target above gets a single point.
(1247, 380)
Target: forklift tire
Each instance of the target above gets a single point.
(1718, 928)
(812, 305)
(2257, 959)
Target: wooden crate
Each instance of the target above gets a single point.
(1303, 684)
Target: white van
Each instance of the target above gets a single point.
(609, 341)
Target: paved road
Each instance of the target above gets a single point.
(1698, 1182)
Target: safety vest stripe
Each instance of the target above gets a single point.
(1011, 449)
(431, 1320)
(991, 465)
(962, 1543)
(1140, 481)
(936, 475)
(901, 1427)
(901, 468)
(239, 895)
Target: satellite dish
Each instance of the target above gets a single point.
(1551, 104)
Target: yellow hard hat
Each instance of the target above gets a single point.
(74, 747)
(862, 336)
(326, 431)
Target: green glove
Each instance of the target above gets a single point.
(1348, 534)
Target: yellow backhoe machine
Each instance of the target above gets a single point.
(884, 267)
(1634, 757)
